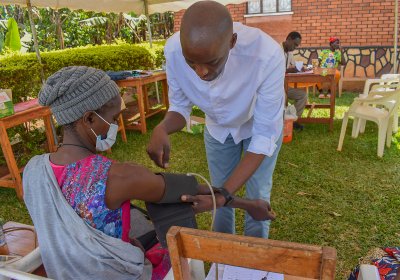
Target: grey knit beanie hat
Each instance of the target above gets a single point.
(74, 90)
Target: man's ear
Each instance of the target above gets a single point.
(88, 119)
(233, 40)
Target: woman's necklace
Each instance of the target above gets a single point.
(75, 145)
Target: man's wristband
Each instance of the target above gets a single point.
(228, 197)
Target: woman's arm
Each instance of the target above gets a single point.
(128, 181)
(258, 209)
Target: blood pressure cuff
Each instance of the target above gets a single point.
(164, 216)
(177, 185)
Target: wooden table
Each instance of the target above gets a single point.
(316, 77)
(14, 180)
(142, 97)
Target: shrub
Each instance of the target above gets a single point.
(21, 73)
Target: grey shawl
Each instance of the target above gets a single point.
(70, 248)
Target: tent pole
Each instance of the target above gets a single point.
(35, 41)
(396, 31)
(146, 12)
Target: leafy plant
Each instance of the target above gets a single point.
(13, 41)
(63, 28)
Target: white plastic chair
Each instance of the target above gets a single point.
(10, 273)
(362, 109)
(388, 82)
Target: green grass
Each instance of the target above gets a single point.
(349, 200)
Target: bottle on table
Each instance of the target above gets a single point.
(3, 242)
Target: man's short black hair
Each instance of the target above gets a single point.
(294, 35)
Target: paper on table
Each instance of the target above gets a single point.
(305, 72)
(227, 272)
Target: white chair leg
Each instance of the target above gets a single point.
(343, 131)
(382, 131)
(361, 126)
(389, 133)
(356, 126)
(396, 121)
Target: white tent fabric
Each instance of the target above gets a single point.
(116, 6)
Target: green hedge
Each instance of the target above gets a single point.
(21, 72)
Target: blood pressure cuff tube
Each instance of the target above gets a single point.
(177, 185)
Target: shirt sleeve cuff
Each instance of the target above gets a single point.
(262, 145)
(183, 111)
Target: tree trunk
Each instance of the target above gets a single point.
(59, 31)
(109, 32)
(119, 25)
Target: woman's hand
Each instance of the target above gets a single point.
(260, 210)
(203, 203)
(204, 189)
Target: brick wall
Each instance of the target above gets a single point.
(177, 20)
(237, 12)
(356, 22)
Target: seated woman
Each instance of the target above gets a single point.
(79, 200)
(331, 58)
(386, 260)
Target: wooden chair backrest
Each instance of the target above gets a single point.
(301, 260)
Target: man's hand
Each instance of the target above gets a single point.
(159, 147)
(260, 210)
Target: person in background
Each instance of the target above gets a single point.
(235, 74)
(79, 200)
(331, 58)
(298, 95)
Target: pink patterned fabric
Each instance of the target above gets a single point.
(83, 184)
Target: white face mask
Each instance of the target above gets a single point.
(105, 144)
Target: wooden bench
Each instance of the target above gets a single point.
(294, 260)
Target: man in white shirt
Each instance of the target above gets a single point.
(235, 75)
(293, 41)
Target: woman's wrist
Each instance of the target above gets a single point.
(220, 200)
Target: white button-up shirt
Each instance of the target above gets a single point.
(245, 100)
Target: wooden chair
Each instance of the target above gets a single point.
(296, 261)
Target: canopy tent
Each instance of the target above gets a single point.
(108, 6)
(116, 6)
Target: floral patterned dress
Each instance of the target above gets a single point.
(388, 265)
(83, 184)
